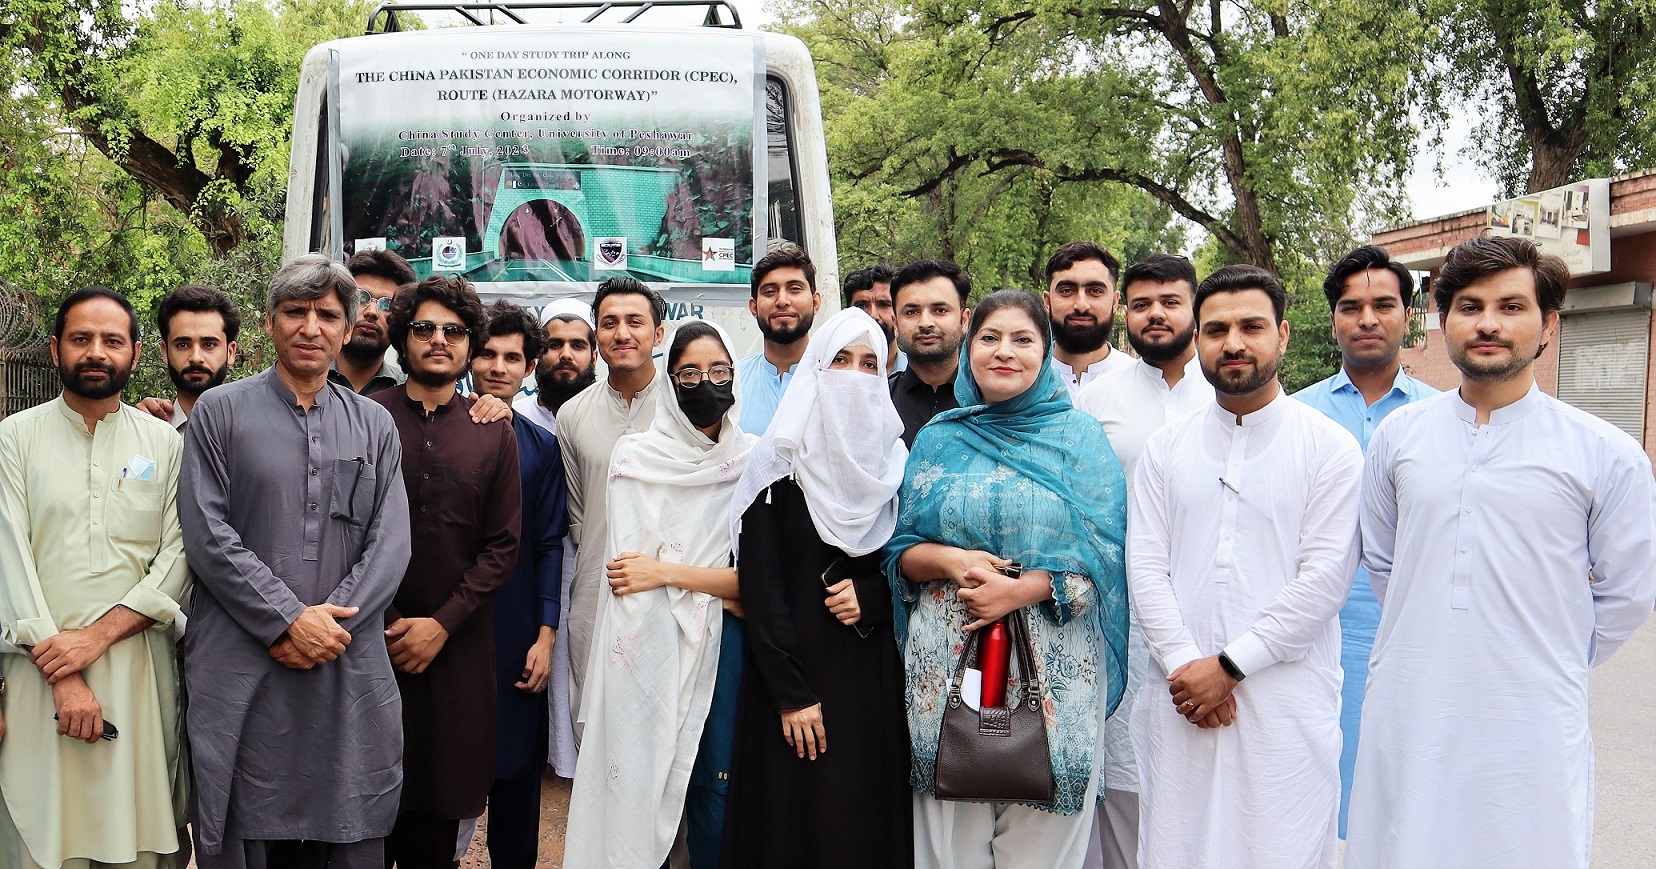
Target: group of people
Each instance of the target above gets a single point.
(676, 583)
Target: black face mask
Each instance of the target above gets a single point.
(706, 402)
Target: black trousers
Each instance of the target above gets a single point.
(422, 842)
(514, 822)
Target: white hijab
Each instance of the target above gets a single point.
(838, 435)
(655, 654)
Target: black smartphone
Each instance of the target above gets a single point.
(842, 569)
(109, 731)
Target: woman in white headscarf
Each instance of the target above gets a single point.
(818, 500)
(656, 647)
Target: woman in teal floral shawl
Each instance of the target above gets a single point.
(1027, 478)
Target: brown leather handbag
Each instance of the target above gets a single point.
(996, 754)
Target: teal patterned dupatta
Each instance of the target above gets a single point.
(1042, 439)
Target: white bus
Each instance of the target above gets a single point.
(537, 148)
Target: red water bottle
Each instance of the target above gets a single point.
(992, 662)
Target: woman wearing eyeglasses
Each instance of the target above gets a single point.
(821, 773)
(665, 658)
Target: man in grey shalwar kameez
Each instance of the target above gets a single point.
(296, 526)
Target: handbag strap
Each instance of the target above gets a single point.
(1018, 637)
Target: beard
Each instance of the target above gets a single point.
(945, 349)
(184, 386)
(363, 350)
(74, 380)
(554, 386)
(1491, 370)
(1164, 350)
(789, 334)
(1078, 340)
(1242, 382)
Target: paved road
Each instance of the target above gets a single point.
(1624, 734)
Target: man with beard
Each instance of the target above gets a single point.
(296, 526)
(1508, 539)
(869, 290)
(1241, 542)
(566, 365)
(362, 364)
(198, 327)
(91, 573)
(526, 609)
(929, 297)
(784, 303)
(1166, 382)
(1081, 300)
(464, 500)
(1368, 299)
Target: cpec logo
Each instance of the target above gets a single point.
(718, 254)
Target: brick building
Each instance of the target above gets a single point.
(1601, 361)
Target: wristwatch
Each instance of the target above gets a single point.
(1230, 667)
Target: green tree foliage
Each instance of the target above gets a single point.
(145, 151)
(991, 129)
(892, 199)
(1565, 86)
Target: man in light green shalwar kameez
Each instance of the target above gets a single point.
(92, 571)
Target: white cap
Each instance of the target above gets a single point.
(562, 307)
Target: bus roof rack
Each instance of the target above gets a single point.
(509, 9)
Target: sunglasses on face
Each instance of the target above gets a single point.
(453, 333)
(366, 299)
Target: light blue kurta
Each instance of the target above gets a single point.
(1339, 400)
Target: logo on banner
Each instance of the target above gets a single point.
(610, 253)
(448, 253)
(718, 254)
(364, 245)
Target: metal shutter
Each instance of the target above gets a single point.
(1603, 359)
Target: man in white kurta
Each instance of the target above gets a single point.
(589, 424)
(1242, 539)
(91, 557)
(1509, 558)
(1164, 383)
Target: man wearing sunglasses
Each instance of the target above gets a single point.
(362, 364)
(464, 503)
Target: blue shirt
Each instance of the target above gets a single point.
(762, 387)
(1340, 400)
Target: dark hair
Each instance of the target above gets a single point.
(1161, 268)
(1240, 278)
(863, 280)
(197, 299)
(1486, 255)
(381, 264)
(87, 294)
(783, 256)
(506, 318)
(1369, 256)
(1072, 252)
(925, 270)
(1025, 302)
(453, 293)
(691, 331)
(622, 285)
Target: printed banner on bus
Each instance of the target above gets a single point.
(566, 155)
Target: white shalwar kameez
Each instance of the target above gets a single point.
(1508, 559)
(1242, 538)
